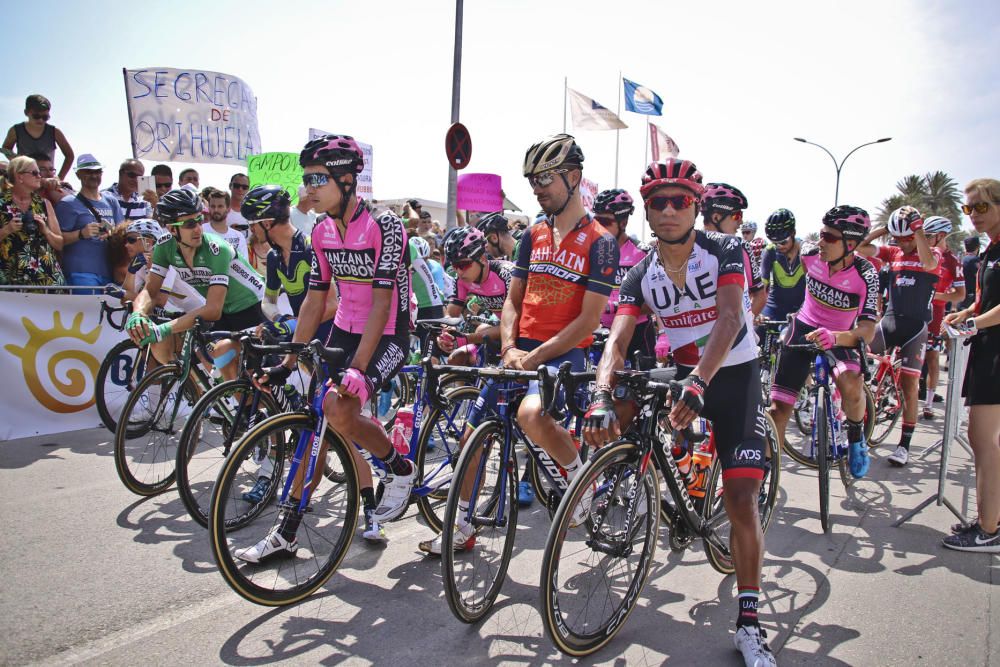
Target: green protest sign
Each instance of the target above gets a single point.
(276, 169)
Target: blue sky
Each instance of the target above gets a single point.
(738, 81)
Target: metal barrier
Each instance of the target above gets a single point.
(953, 410)
(56, 289)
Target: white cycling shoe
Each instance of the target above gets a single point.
(463, 539)
(272, 545)
(749, 640)
(395, 495)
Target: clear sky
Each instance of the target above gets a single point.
(738, 81)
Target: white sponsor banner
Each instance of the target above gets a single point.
(365, 189)
(52, 346)
(185, 115)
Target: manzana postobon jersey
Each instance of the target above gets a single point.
(215, 263)
(629, 255)
(492, 291)
(837, 301)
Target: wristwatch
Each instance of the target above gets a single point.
(970, 326)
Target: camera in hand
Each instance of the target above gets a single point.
(28, 224)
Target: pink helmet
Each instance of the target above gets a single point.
(465, 243)
(672, 171)
(339, 153)
(616, 202)
(852, 221)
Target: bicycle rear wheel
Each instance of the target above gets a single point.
(147, 433)
(592, 573)
(473, 578)
(823, 457)
(326, 528)
(438, 452)
(888, 408)
(803, 414)
(120, 372)
(219, 419)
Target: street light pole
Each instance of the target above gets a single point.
(838, 167)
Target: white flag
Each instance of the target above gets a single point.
(662, 144)
(590, 115)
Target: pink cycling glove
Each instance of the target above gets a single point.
(355, 383)
(825, 338)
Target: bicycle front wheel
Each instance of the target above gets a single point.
(822, 442)
(473, 577)
(147, 433)
(594, 570)
(120, 372)
(324, 532)
(888, 408)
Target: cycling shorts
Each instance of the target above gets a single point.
(733, 405)
(386, 361)
(242, 319)
(794, 365)
(906, 333)
(935, 341)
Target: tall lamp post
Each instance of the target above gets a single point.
(838, 167)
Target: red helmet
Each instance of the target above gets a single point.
(672, 171)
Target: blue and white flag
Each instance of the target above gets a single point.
(640, 99)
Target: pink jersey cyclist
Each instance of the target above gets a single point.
(492, 292)
(371, 255)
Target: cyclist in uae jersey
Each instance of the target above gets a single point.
(367, 258)
(694, 283)
(912, 267)
(722, 208)
(231, 288)
(612, 209)
(950, 288)
(839, 310)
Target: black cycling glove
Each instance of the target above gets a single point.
(276, 375)
(601, 413)
(692, 393)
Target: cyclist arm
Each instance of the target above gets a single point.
(215, 298)
(758, 300)
(143, 304)
(954, 295)
(613, 358)
(863, 330)
(391, 262)
(729, 302)
(510, 318)
(928, 258)
(867, 247)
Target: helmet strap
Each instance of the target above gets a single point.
(843, 258)
(346, 194)
(570, 190)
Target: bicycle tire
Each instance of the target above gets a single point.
(823, 457)
(567, 584)
(870, 413)
(324, 535)
(200, 455)
(147, 468)
(483, 457)
(103, 395)
(431, 461)
(803, 413)
(888, 408)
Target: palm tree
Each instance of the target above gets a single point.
(934, 193)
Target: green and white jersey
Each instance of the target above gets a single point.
(422, 281)
(215, 263)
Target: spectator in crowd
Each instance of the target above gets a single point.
(163, 178)
(29, 230)
(218, 220)
(303, 217)
(86, 220)
(187, 176)
(126, 191)
(120, 253)
(970, 268)
(259, 246)
(425, 228)
(238, 186)
(35, 135)
(51, 187)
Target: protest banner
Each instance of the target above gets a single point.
(178, 115)
(479, 192)
(365, 178)
(588, 190)
(276, 169)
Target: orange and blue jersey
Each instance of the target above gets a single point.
(557, 278)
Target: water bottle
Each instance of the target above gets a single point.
(682, 458)
(701, 462)
(402, 430)
(293, 396)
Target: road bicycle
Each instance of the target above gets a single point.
(593, 571)
(887, 392)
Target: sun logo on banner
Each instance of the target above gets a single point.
(59, 374)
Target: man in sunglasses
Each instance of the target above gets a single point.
(231, 288)
(694, 283)
(781, 267)
(239, 184)
(126, 191)
(86, 220)
(500, 243)
(913, 274)
(722, 208)
(564, 273)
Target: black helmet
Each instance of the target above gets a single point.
(617, 202)
(493, 223)
(851, 221)
(178, 203)
(266, 201)
(780, 225)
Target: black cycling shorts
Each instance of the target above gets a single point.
(794, 365)
(388, 358)
(906, 333)
(240, 320)
(733, 405)
(981, 386)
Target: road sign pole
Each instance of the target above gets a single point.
(456, 94)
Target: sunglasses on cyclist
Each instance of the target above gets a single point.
(545, 179)
(132, 239)
(315, 180)
(829, 237)
(677, 202)
(979, 207)
(462, 264)
(785, 241)
(190, 223)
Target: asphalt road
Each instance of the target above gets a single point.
(95, 575)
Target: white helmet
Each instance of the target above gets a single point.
(936, 224)
(422, 247)
(899, 220)
(145, 227)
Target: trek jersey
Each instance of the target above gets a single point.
(556, 278)
(786, 282)
(424, 287)
(629, 255)
(293, 277)
(492, 292)
(949, 275)
(837, 301)
(689, 316)
(215, 263)
(911, 286)
(370, 255)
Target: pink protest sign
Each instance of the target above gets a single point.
(479, 192)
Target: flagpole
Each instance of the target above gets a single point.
(565, 94)
(618, 130)
(645, 150)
